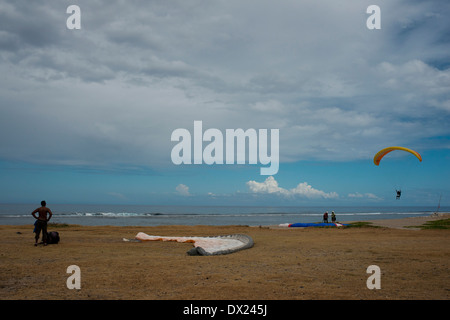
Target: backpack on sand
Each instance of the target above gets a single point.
(53, 237)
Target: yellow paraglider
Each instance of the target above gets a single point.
(380, 154)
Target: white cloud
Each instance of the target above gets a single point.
(183, 190)
(117, 195)
(367, 195)
(303, 189)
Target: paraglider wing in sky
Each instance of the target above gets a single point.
(380, 154)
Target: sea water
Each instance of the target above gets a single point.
(149, 215)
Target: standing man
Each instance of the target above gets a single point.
(41, 223)
(325, 217)
(333, 217)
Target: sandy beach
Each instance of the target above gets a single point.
(284, 263)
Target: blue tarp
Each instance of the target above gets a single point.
(316, 225)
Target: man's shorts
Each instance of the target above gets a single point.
(41, 225)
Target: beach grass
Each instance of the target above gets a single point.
(437, 224)
(361, 224)
(60, 225)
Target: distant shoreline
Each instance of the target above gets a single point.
(401, 223)
(118, 215)
(410, 221)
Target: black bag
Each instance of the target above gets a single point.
(53, 237)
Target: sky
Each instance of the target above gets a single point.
(87, 115)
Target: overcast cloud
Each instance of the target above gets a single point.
(113, 92)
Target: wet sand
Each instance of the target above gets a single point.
(284, 264)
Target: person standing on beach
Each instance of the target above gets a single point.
(41, 222)
(333, 217)
(325, 217)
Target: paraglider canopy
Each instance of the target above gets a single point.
(380, 154)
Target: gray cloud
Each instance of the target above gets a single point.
(114, 91)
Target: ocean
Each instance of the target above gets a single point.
(149, 215)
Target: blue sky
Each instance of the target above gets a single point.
(87, 115)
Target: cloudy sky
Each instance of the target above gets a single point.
(86, 115)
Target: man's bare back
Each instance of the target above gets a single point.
(42, 213)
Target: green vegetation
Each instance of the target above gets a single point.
(437, 224)
(361, 224)
(58, 225)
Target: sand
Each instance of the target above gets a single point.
(285, 263)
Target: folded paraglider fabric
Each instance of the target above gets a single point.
(206, 246)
